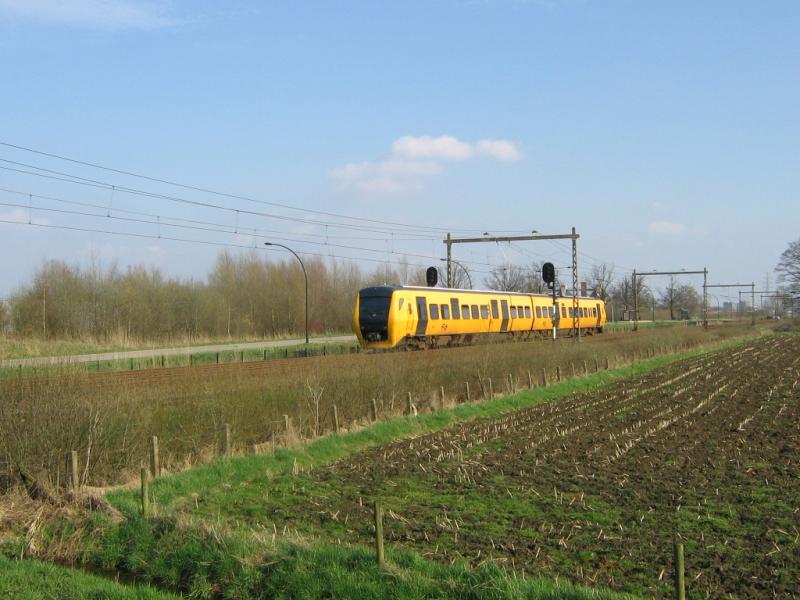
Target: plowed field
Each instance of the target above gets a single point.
(594, 487)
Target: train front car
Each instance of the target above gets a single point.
(372, 321)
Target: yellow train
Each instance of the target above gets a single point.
(402, 316)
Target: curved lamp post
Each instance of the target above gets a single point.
(463, 268)
(305, 276)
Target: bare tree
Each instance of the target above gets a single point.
(601, 278)
(534, 282)
(789, 268)
(507, 279)
(669, 297)
(622, 295)
(676, 296)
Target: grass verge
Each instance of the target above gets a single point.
(53, 582)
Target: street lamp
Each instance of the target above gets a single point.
(305, 276)
(463, 268)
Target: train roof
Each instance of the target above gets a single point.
(387, 290)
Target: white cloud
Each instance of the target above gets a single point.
(23, 217)
(414, 158)
(390, 176)
(104, 14)
(444, 147)
(498, 149)
(667, 228)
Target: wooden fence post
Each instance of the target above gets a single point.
(226, 441)
(145, 493)
(155, 469)
(409, 405)
(374, 409)
(466, 388)
(572, 370)
(335, 419)
(544, 377)
(558, 373)
(491, 389)
(441, 394)
(286, 423)
(608, 363)
(217, 357)
(379, 533)
(585, 368)
(680, 584)
(530, 380)
(72, 470)
(596, 365)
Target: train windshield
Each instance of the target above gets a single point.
(374, 310)
(373, 316)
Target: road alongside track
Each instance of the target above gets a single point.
(182, 351)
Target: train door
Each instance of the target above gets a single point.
(422, 315)
(599, 316)
(504, 313)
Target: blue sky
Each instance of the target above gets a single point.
(667, 133)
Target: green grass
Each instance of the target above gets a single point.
(34, 580)
(208, 563)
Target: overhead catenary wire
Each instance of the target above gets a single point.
(159, 223)
(194, 221)
(77, 180)
(195, 241)
(227, 194)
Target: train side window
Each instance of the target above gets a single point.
(495, 310)
(475, 314)
(563, 312)
(454, 306)
(538, 312)
(513, 312)
(434, 308)
(594, 312)
(445, 311)
(465, 311)
(528, 314)
(484, 311)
